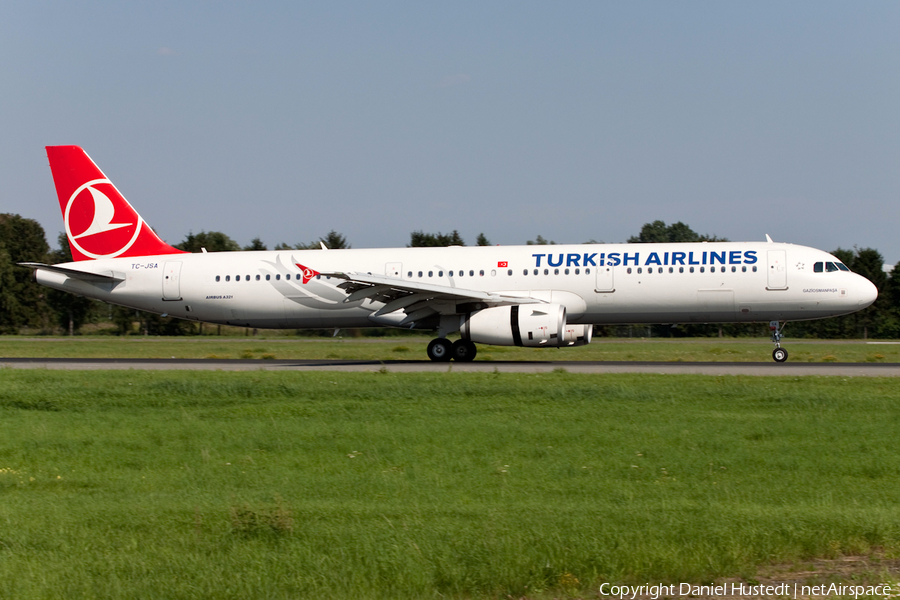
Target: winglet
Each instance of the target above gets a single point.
(768, 239)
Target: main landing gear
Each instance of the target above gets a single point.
(442, 350)
(779, 354)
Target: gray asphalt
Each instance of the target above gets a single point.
(417, 366)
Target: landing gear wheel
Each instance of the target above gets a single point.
(463, 351)
(776, 329)
(439, 350)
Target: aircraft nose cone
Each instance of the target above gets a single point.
(867, 293)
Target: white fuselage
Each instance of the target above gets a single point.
(597, 283)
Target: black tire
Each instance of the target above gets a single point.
(779, 355)
(463, 351)
(439, 350)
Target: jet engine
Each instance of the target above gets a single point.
(534, 325)
(577, 335)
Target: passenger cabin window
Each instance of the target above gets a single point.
(218, 277)
(278, 277)
(268, 277)
(228, 278)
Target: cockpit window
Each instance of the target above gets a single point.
(829, 267)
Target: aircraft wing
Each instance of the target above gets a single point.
(418, 299)
(74, 273)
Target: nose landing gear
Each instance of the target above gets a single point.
(779, 354)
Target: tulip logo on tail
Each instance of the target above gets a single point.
(307, 272)
(94, 226)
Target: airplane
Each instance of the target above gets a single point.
(532, 296)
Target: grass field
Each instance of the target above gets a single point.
(380, 485)
(413, 348)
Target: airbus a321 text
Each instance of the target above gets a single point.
(537, 296)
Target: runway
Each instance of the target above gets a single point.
(424, 366)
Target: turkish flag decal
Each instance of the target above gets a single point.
(502, 263)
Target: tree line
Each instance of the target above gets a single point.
(26, 306)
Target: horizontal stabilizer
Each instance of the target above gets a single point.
(74, 273)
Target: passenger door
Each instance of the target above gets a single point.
(777, 270)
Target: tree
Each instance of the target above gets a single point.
(890, 326)
(212, 241)
(256, 244)
(332, 241)
(71, 311)
(659, 232)
(420, 239)
(869, 263)
(335, 241)
(540, 241)
(23, 301)
(481, 240)
(9, 304)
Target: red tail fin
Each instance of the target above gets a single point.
(100, 223)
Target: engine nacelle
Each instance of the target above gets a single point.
(532, 325)
(577, 335)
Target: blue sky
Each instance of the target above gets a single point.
(575, 121)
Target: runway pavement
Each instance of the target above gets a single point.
(416, 366)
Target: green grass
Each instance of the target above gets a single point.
(313, 485)
(413, 348)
